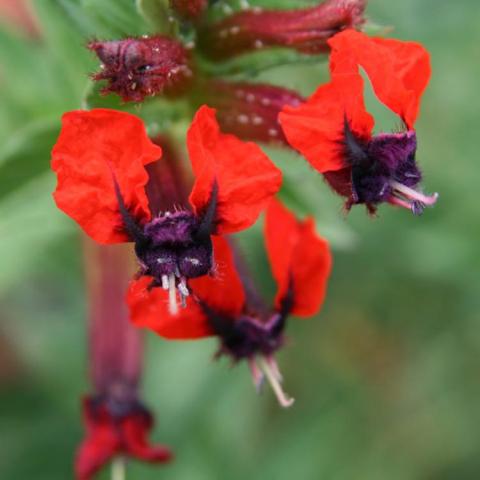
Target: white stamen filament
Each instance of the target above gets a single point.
(275, 382)
(257, 375)
(274, 366)
(183, 291)
(172, 295)
(182, 287)
(165, 282)
(413, 195)
(119, 468)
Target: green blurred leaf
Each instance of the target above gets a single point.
(157, 14)
(29, 222)
(26, 155)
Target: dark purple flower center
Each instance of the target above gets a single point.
(246, 336)
(383, 169)
(172, 249)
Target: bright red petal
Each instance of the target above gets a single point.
(399, 71)
(135, 435)
(149, 308)
(316, 128)
(246, 178)
(299, 258)
(100, 445)
(223, 292)
(92, 147)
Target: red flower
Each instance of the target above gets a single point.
(100, 159)
(113, 432)
(227, 306)
(116, 422)
(305, 30)
(334, 131)
(140, 67)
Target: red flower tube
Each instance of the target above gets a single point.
(136, 68)
(334, 131)
(306, 30)
(116, 422)
(100, 158)
(248, 110)
(226, 305)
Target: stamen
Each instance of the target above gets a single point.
(274, 366)
(283, 399)
(182, 287)
(165, 282)
(257, 375)
(413, 195)
(172, 295)
(119, 468)
(183, 291)
(400, 203)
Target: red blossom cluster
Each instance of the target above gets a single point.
(121, 186)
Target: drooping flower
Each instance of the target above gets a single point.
(227, 305)
(117, 424)
(334, 131)
(136, 68)
(305, 30)
(250, 110)
(100, 158)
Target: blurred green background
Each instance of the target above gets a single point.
(387, 378)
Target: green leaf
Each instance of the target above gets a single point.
(157, 14)
(29, 221)
(26, 155)
(66, 44)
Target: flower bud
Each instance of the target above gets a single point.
(248, 110)
(139, 67)
(306, 30)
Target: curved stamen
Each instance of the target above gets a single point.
(272, 376)
(413, 195)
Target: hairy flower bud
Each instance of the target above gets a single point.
(306, 30)
(250, 110)
(139, 67)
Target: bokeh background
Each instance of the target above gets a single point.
(387, 377)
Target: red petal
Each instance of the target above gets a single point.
(315, 128)
(99, 446)
(246, 178)
(91, 147)
(297, 254)
(135, 431)
(399, 71)
(223, 292)
(149, 308)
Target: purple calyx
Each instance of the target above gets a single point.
(172, 251)
(383, 169)
(248, 336)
